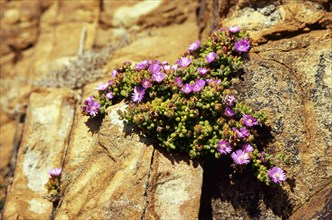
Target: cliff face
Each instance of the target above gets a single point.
(109, 172)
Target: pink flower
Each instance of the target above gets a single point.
(109, 95)
(234, 29)
(240, 157)
(55, 172)
(114, 72)
(229, 112)
(247, 148)
(224, 147)
(229, 99)
(216, 81)
(199, 85)
(194, 46)
(142, 65)
(102, 86)
(242, 133)
(210, 57)
(178, 81)
(203, 70)
(158, 76)
(93, 108)
(146, 83)
(242, 45)
(276, 174)
(184, 62)
(155, 67)
(249, 120)
(138, 94)
(187, 88)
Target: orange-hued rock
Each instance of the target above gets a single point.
(112, 172)
(48, 123)
(290, 80)
(175, 187)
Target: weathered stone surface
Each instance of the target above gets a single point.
(112, 172)
(160, 44)
(288, 76)
(291, 81)
(270, 20)
(48, 124)
(175, 187)
(318, 207)
(105, 172)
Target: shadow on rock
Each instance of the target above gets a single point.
(227, 195)
(94, 124)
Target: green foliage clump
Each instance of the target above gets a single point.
(189, 106)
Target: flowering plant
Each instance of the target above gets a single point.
(189, 106)
(53, 185)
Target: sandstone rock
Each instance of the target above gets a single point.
(48, 123)
(19, 24)
(271, 20)
(112, 172)
(291, 81)
(104, 177)
(175, 187)
(318, 207)
(163, 44)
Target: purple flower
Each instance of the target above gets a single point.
(234, 29)
(89, 100)
(167, 67)
(242, 45)
(138, 94)
(164, 63)
(110, 82)
(210, 57)
(146, 83)
(229, 99)
(224, 147)
(247, 148)
(199, 85)
(102, 86)
(178, 81)
(216, 81)
(187, 88)
(276, 174)
(109, 95)
(242, 133)
(240, 157)
(155, 67)
(114, 72)
(262, 158)
(127, 63)
(229, 112)
(142, 65)
(158, 76)
(203, 70)
(174, 67)
(93, 108)
(184, 62)
(249, 120)
(194, 46)
(55, 172)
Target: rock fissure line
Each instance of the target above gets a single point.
(147, 186)
(106, 151)
(12, 164)
(56, 204)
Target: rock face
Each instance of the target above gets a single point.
(45, 135)
(113, 173)
(109, 170)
